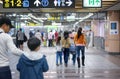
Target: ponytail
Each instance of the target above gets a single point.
(79, 32)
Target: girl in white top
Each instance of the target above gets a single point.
(59, 51)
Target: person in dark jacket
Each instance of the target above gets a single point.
(32, 65)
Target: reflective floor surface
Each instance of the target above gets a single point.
(98, 65)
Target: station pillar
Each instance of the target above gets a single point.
(112, 35)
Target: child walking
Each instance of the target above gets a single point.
(58, 52)
(73, 52)
(32, 65)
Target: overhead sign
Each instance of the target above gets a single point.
(92, 3)
(38, 3)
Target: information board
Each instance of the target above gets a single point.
(38, 3)
(113, 27)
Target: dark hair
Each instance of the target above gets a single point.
(66, 34)
(6, 20)
(58, 40)
(33, 43)
(38, 30)
(20, 29)
(79, 32)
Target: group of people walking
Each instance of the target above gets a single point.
(31, 65)
(77, 48)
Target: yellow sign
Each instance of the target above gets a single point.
(12, 3)
(54, 18)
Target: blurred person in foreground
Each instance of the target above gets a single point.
(31, 65)
(6, 46)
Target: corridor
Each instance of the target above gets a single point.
(98, 65)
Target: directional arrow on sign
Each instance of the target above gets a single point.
(37, 2)
(69, 2)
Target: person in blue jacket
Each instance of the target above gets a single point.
(31, 65)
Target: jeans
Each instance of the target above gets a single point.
(74, 58)
(78, 49)
(66, 55)
(59, 57)
(5, 73)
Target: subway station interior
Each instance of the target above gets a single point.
(102, 59)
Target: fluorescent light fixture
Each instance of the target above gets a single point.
(25, 18)
(42, 18)
(71, 18)
(1, 2)
(39, 19)
(14, 14)
(82, 19)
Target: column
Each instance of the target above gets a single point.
(112, 35)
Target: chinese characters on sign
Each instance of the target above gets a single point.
(38, 3)
(92, 3)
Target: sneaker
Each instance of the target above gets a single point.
(57, 64)
(66, 65)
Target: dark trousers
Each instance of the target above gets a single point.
(66, 55)
(73, 57)
(5, 73)
(50, 43)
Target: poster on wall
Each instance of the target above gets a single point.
(114, 27)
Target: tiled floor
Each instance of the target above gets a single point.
(98, 65)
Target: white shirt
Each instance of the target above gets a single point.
(7, 46)
(50, 35)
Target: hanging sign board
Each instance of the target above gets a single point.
(38, 3)
(92, 3)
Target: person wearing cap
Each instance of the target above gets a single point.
(6, 46)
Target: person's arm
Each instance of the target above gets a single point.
(11, 46)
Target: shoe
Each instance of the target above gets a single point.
(57, 64)
(66, 65)
(83, 64)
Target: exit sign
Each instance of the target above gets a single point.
(92, 3)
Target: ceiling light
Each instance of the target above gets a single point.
(82, 19)
(1, 2)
